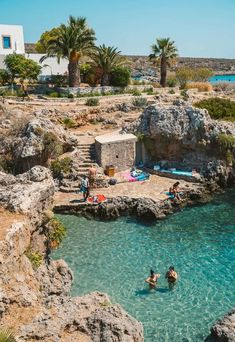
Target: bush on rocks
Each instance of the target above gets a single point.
(57, 232)
(140, 102)
(218, 108)
(52, 146)
(69, 123)
(58, 167)
(34, 257)
(92, 102)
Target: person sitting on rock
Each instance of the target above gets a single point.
(174, 190)
(152, 279)
(171, 276)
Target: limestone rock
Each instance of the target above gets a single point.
(224, 329)
(28, 148)
(28, 193)
(92, 314)
(182, 122)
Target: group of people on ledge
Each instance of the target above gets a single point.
(171, 276)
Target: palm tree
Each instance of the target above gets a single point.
(74, 41)
(104, 60)
(164, 51)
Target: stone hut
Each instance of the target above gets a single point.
(118, 150)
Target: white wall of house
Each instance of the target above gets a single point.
(50, 66)
(11, 39)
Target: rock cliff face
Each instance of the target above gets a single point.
(184, 136)
(35, 299)
(38, 140)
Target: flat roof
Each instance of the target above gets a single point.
(112, 138)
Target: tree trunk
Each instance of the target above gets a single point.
(74, 74)
(105, 80)
(163, 72)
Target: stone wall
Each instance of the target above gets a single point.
(120, 154)
(101, 90)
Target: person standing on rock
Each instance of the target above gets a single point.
(85, 188)
(92, 175)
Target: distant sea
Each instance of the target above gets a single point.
(222, 78)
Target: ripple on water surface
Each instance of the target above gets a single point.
(115, 257)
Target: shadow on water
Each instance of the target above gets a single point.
(144, 221)
(146, 291)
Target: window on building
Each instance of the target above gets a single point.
(6, 42)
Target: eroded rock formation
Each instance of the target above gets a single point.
(185, 137)
(224, 329)
(35, 299)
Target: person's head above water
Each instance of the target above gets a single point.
(171, 268)
(152, 273)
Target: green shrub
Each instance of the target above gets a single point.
(148, 91)
(34, 257)
(70, 96)
(52, 146)
(218, 108)
(7, 336)
(54, 94)
(171, 91)
(184, 94)
(140, 102)
(171, 81)
(59, 80)
(92, 102)
(60, 166)
(68, 122)
(57, 232)
(5, 77)
(105, 303)
(120, 77)
(183, 76)
(136, 92)
(226, 142)
(202, 74)
(140, 136)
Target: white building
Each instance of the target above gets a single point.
(11, 39)
(50, 66)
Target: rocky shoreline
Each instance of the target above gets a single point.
(41, 294)
(145, 208)
(35, 299)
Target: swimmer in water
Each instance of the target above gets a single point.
(152, 279)
(171, 276)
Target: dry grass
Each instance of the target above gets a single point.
(200, 86)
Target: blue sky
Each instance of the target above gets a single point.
(200, 28)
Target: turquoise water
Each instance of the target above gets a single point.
(115, 257)
(222, 78)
